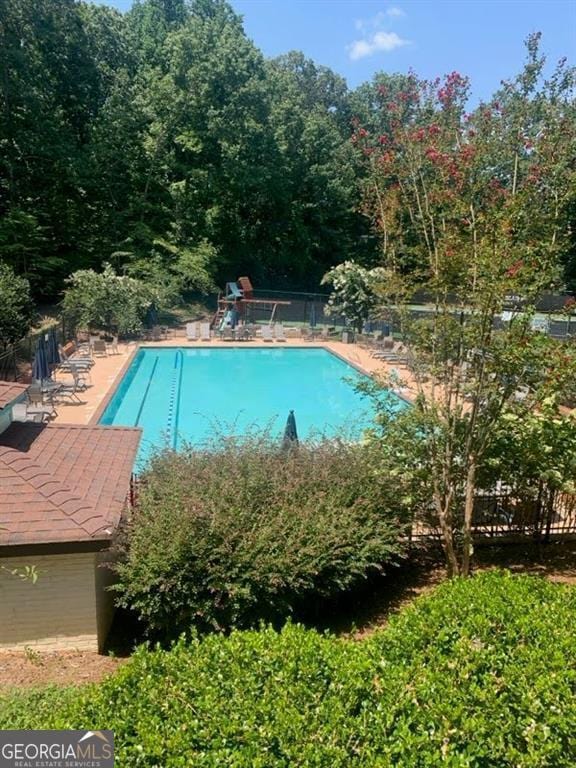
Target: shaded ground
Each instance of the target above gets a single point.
(355, 616)
(36, 668)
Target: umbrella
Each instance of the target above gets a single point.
(40, 367)
(52, 353)
(290, 438)
(152, 316)
(312, 315)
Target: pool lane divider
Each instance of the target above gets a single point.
(174, 401)
(146, 391)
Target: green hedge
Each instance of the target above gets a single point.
(482, 673)
(248, 532)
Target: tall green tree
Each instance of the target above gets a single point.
(471, 209)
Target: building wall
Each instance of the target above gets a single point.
(104, 577)
(57, 612)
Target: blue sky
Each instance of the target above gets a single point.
(479, 38)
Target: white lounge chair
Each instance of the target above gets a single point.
(279, 334)
(35, 413)
(205, 332)
(192, 331)
(267, 333)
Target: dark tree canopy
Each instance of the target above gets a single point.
(167, 123)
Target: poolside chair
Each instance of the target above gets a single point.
(267, 333)
(79, 378)
(40, 400)
(192, 331)
(205, 332)
(71, 368)
(112, 346)
(68, 354)
(279, 334)
(70, 390)
(244, 333)
(23, 412)
(227, 333)
(99, 348)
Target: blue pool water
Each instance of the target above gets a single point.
(187, 395)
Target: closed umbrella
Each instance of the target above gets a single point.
(52, 352)
(313, 315)
(152, 316)
(40, 367)
(290, 438)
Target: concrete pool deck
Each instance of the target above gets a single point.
(108, 370)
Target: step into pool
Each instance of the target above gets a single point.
(181, 395)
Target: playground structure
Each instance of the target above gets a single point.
(237, 303)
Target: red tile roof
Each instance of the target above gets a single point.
(10, 391)
(62, 482)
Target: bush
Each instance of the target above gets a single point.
(480, 674)
(107, 301)
(17, 307)
(223, 539)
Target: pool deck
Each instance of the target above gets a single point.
(108, 371)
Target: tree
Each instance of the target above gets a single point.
(471, 209)
(353, 292)
(108, 301)
(17, 309)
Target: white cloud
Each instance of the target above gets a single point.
(380, 41)
(375, 37)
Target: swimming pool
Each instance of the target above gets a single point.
(188, 395)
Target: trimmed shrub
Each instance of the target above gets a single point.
(248, 532)
(481, 674)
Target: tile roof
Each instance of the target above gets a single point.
(10, 391)
(63, 482)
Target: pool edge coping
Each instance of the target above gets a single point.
(98, 413)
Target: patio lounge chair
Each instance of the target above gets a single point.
(34, 413)
(70, 390)
(112, 346)
(227, 334)
(79, 378)
(244, 333)
(266, 333)
(69, 355)
(192, 331)
(205, 332)
(42, 400)
(99, 347)
(279, 334)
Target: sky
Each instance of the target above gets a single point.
(357, 38)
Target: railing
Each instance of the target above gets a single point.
(16, 360)
(509, 517)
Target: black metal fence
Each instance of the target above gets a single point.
(309, 309)
(514, 518)
(16, 360)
